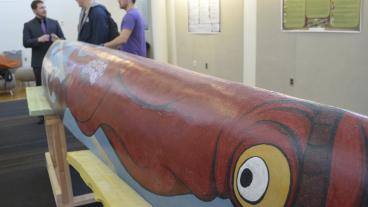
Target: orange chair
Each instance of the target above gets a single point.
(7, 63)
(7, 78)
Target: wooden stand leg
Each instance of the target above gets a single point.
(50, 133)
(56, 158)
(58, 151)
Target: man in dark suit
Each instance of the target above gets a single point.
(39, 34)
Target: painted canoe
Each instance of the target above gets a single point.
(181, 138)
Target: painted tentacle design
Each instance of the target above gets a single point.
(179, 132)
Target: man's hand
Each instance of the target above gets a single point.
(44, 38)
(54, 37)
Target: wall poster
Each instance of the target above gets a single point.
(321, 15)
(204, 16)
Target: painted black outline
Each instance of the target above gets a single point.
(339, 115)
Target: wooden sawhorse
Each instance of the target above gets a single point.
(57, 165)
(108, 188)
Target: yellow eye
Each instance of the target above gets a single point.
(262, 177)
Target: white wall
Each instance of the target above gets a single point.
(223, 52)
(16, 12)
(330, 68)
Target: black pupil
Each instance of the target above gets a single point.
(246, 178)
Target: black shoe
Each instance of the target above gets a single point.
(41, 121)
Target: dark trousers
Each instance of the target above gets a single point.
(37, 72)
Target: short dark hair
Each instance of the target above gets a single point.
(133, 1)
(35, 4)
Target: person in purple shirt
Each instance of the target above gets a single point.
(131, 38)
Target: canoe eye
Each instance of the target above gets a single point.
(253, 180)
(261, 177)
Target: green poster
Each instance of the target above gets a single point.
(294, 14)
(345, 14)
(318, 8)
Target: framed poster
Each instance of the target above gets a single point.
(321, 15)
(204, 16)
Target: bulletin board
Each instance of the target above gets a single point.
(321, 15)
(204, 16)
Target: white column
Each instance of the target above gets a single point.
(250, 42)
(171, 23)
(159, 30)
